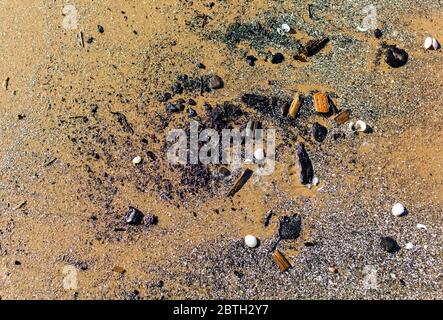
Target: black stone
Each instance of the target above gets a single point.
(166, 97)
(388, 244)
(150, 220)
(192, 102)
(192, 112)
(201, 66)
(251, 60)
(319, 132)
(207, 106)
(290, 227)
(100, 29)
(172, 107)
(133, 216)
(378, 33)
(177, 88)
(277, 58)
(306, 169)
(396, 57)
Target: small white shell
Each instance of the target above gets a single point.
(428, 43)
(360, 126)
(398, 210)
(315, 181)
(285, 27)
(409, 246)
(351, 126)
(435, 44)
(421, 226)
(137, 160)
(259, 154)
(251, 241)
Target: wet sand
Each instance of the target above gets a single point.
(67, 176)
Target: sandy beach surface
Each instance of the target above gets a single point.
(83, 93)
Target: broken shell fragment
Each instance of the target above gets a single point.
(342, 117)
(315, 181)
(314, 46)
(305, 165)
(281, 261)
(241, 181)
(285, 28)
(321, 103)
(295, 106)
(435, 44)
(359, 126)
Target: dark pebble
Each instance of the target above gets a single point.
(389, 245)
(133, 216)
(207, 106)
(290, 227)
(166, 97)
(378, 33)
(192, 112)
(319, 132)
(251, 60)
(201, 66)
(150, 220)
(100, 29)
(396, 57)
(177, 88)
(192, 102)
(172, 107)
(215, 82)
(90, 40)
(277, 58)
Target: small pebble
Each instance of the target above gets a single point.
(215, 82)
(251, 241)
(333, 270)
(100, 29)
(290, 227)
(133, 216)
(378, 33)
(201, 66)
(277, 58)
(389, 245)
(398, 210)
(251, 60)
(409, 246)
(396, 57)
(137, 160)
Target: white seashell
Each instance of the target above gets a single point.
(421, 226)
(251, 241)
(409, 246)
(428, 43)
(315, 181)
(259, 154)
(398, 210)
(351, 126)
(435, 44)
(285, 27)
(137, 160)
(360, 126)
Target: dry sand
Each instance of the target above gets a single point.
(67, 178)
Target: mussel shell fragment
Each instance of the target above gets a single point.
(305, 165)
